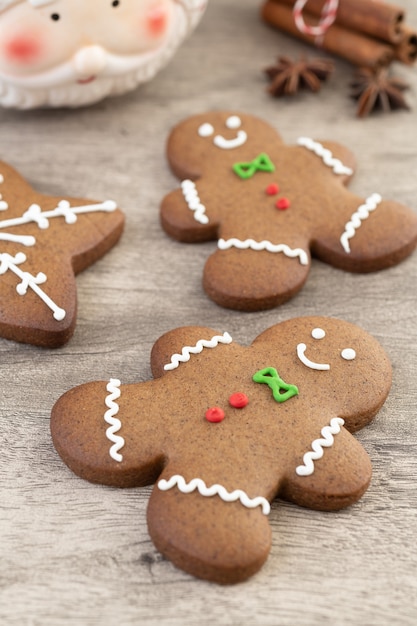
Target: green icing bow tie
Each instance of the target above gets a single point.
(262, 163)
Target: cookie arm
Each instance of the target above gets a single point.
(372, 234)
(336, 480)
(213, 539)
(186, 214)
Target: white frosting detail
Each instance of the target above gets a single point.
(206, 130)
(301, 348)
(326, 155)
(225, 244)
(233, 122)
(348, 354)
(24, 240)
(35, 213)
(229, 144)
(8, 262)
(318, 333)
(318, 444)
(215, 490)
(186, 352)
(193, 201)
(1, 179)
(355, 222)
(115, 423)
(3, 205)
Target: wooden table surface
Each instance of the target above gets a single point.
(77, 553)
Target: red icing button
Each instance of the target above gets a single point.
(272, 189)
(282, 204)
(215, 414)
(238, 400)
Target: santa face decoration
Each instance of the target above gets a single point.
(73, 52)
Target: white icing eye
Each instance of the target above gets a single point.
(318, 333)
(348, 354)
(206, 130)
(233, 122)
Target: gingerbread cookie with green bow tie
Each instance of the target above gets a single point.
(224, 429)
(44, 242)
(271, 207)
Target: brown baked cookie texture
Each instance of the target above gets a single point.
(223, 430)
(44, 242)
(272, 206)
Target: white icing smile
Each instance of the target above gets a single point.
(301, 348)
(348, 354)
(233, 123)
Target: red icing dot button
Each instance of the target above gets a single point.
(215, 414)
(272, 189)
(238, 400)
(282, 204)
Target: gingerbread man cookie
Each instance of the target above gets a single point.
(44, 242)
(224, 429)
(271, 206)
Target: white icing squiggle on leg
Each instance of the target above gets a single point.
(355, 222)
(115, 423)
(186, 352)
(318, 444)
(225, 244)
(326, 155)
(193, 201)
(215, 490)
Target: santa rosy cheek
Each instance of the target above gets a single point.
(23, 49)
(156, 21)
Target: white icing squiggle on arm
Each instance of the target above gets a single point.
(186, 352)
(326, 155)
(215, 490)
(318, 444)
(193, 201)
(115, 423)
(225, 244)
(355, 222)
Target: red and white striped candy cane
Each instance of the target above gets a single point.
(327, 18)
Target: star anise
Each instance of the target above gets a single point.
(377, 90)
(288, 76)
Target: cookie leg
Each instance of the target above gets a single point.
(254, 280)
(224, 542)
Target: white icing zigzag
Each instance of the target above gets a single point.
(193, 201)
(326, 155)
(318, 444)
(176, 359)
(225, 244)
(355, 222)
(215, 490)
(8, 262)
(115, 423)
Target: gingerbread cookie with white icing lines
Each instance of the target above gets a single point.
(224, 429)
(44, 242)
(272, 206)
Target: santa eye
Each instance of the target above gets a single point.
(115, 3)
(55, 17)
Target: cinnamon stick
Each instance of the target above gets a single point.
(406, 51)
(371, 17)
(356, 48)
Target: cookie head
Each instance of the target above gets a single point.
(215, 139)
(44, 57)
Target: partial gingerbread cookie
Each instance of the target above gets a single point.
(224, 429)
(271, 206)
(44, 242)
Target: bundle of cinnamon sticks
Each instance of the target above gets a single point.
(367, 33)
